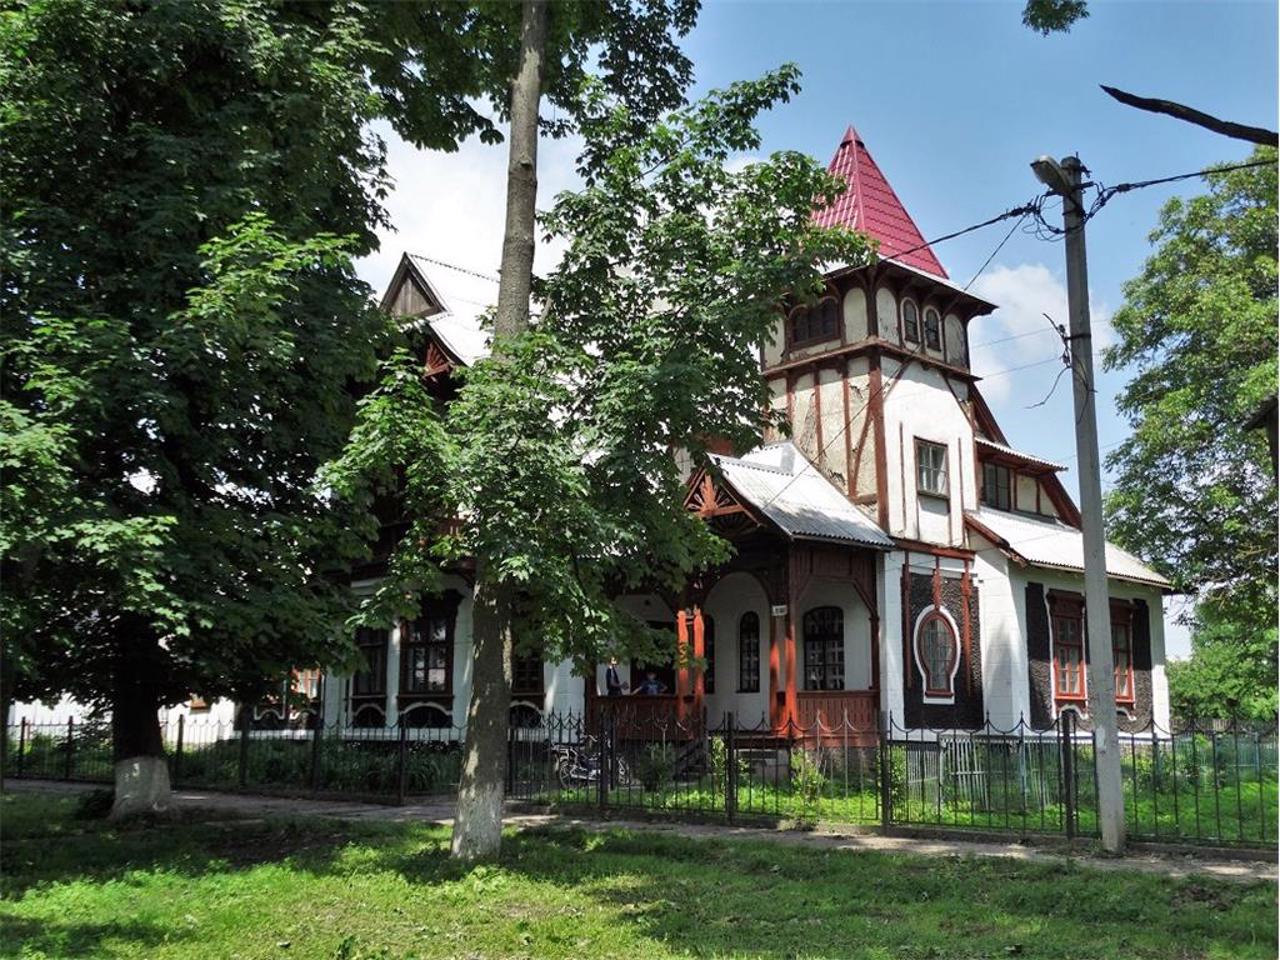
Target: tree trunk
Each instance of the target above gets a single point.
(477, 828)
(141, 771)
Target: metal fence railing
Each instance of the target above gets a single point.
(1199, 784)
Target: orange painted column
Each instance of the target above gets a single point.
(699, 651)
(682, 662)
(792, 712)
(775, 670)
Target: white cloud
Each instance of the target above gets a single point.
(451, 206)
(1017, 333)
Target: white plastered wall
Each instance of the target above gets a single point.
(922, 406)
(732, 596)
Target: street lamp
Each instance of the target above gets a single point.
(1049, 172)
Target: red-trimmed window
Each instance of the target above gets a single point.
(910, 321)
(749, 653)
(1068, 652)
(813, 324)
(937, 652)
(1122, 652)
(824, 649)
(932, 329)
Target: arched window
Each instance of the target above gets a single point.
(749, 653)
(824, 649)
(937, 653)
(816, 323)
(910, 321)
(932, 329)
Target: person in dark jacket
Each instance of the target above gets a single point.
(613, 684)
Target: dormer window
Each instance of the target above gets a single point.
(910, 322)
(813, 324)
(997, 486)
(932, 329)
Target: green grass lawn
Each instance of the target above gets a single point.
(322, 889)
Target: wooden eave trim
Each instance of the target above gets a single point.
(870, 345)
(999, 542)
(933, 550)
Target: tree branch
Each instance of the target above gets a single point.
(1227, 128)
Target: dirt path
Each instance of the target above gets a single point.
(441, 811)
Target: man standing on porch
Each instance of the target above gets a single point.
(612, 680)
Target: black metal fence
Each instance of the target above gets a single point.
(1200, 784)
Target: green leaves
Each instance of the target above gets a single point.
(559, 456)
(1194, 488)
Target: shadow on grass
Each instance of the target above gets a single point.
(42, 938)
(701, 897)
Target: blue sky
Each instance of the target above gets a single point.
(953, 100)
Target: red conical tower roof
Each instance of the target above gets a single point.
(870, 206)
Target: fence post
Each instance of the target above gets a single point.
(402, 765)
(1065, 724)
(886, 773)
(22, 746)
(730, 768)
(177, 752)
(315, 752)
(71, 747)
(602, 775)
(242, 775)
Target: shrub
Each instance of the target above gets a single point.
(809, 781)
(656, 766)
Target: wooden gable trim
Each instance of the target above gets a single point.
(717, 501)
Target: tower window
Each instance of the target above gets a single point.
(932, 329)
(910, 322)
(813, 324)
(931, 468)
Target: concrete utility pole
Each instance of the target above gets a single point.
(1065, 179)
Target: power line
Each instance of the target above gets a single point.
(999, 246)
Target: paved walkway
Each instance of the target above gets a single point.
(441, 811)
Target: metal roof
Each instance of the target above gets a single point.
(870, 206)
(464, 297)
(1051, 543)
(1009, 451)
(779, 482)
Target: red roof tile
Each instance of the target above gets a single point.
(871, 207)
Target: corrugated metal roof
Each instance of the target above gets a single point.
(1051, 543)
(465, 296)
(779, 482)
(1029, 458)
(870, 206)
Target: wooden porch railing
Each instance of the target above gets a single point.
(832, 708)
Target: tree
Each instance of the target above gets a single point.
(557, 454)
(1053, 16)
(186, 185)
(1193, 487)
(183, 328)
(1231, 673)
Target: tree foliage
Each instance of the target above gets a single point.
(1231, 673)
(557, 454)
(1194, 488)
(185, 186)
(1053, 16)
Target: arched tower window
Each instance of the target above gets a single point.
(932, 329)
(824, 649)
(813, 324)
(910, 321)
(937, 654)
